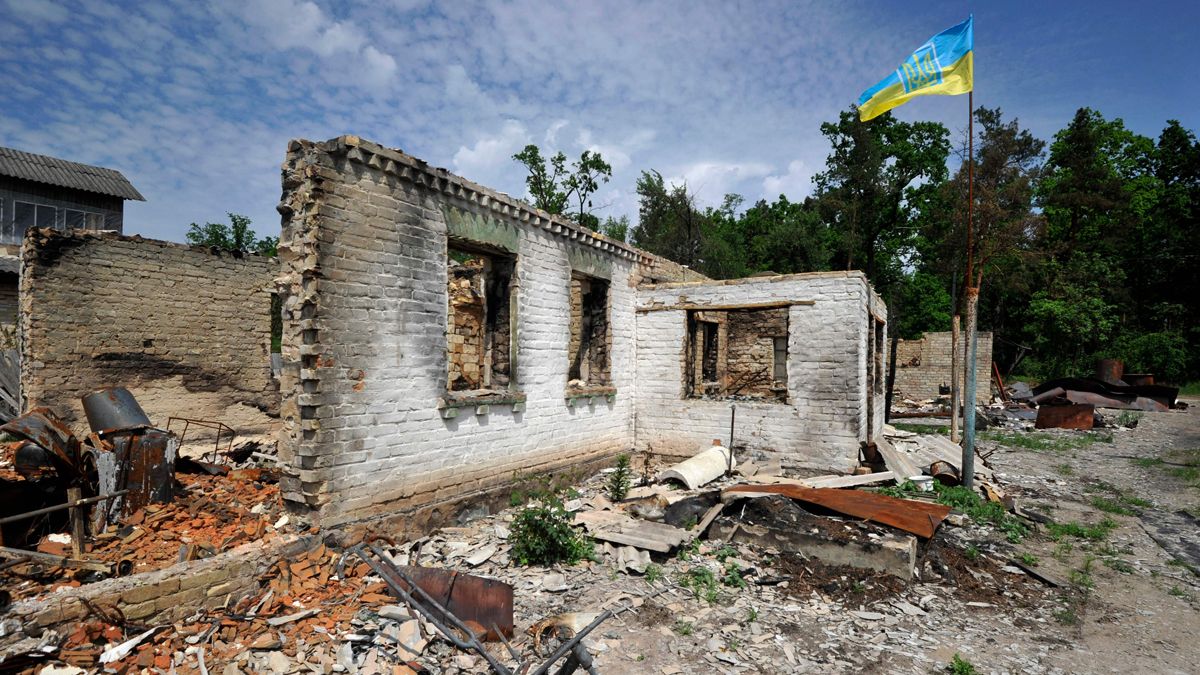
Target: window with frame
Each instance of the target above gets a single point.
(588, 359)
(479, 320)
(737, 354)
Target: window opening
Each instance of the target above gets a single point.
(738, 354)
(591, 339)
(478, 323)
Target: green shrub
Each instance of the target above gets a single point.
(620, 480)
(542, 534)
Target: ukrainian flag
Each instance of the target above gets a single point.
(943, 65)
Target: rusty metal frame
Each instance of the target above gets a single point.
(220, 427)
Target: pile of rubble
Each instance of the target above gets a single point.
(726, 552)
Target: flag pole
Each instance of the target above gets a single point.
(972, 294)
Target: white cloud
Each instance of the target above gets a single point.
(709, 182)
(796, 183)
(489, 161)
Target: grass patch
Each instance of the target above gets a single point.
(1067, 617)
(1047, 442)
(654, 572)
(1064, 469)
(1181, 593)
(1147, 462)
(973, 505)
(1029, 559)
(1111, 506)
(1190, 389)
(685, 627)
(922, 428)
(1118, 565)
(1097, 532)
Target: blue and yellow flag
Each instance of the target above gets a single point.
(943, 65)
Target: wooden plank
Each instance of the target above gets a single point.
(77, 525)
(898, 462)
(830, 481)
(914, 517)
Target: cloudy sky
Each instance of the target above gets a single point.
(195, 101)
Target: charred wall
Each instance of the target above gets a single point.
(186, 329)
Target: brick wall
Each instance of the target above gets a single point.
(364, 253)
(823, 422)
(923, 365)
(187, 330)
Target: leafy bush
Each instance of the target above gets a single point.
(1163, 354)
(542, 534)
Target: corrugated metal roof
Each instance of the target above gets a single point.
(60, 172)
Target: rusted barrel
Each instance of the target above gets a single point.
(1110, 370)
(113, 409)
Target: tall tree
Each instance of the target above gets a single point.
(874, 171)
(557, 188)
(669, 224)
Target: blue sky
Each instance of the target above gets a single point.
(195, 101)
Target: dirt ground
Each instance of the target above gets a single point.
(1125, 605)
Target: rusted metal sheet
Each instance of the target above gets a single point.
(919, 518)
(486, 602)
(945, 472)
(42, 427)
(1070, 416)
(113, 409)
(1150, 397)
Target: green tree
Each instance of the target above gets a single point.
(559, 189)
(1097, 189)
(235, 235)
(616, 228)
(873, 175)
(669, 224)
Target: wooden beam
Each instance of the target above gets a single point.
(55, 560)
(720, 308)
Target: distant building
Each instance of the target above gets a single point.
(41, 191)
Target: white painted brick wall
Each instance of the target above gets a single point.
(824, 421)
(363, 281)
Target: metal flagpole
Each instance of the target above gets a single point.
(972, 291)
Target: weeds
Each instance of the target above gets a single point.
(725, 552)
(692, 548)
(1029, 559)
(1111, 506)
(1044, 442)
(684, 627)
(1097, 532)
(1128, 418)
(542, 534)
(733, 576)
(701, 582)
(960, 666)
(654, 572)
(968, 502)
(751, 615)
(1064, 469)
(1067, 617)
(1147, 462)
(620, 480)
(1180, 593)
(1119, 565)
(923, 428)
(972, 553)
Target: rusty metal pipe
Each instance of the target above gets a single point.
(51, 509)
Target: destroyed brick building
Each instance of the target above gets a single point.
(440, 336)
(187, 329)
(923, 366)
